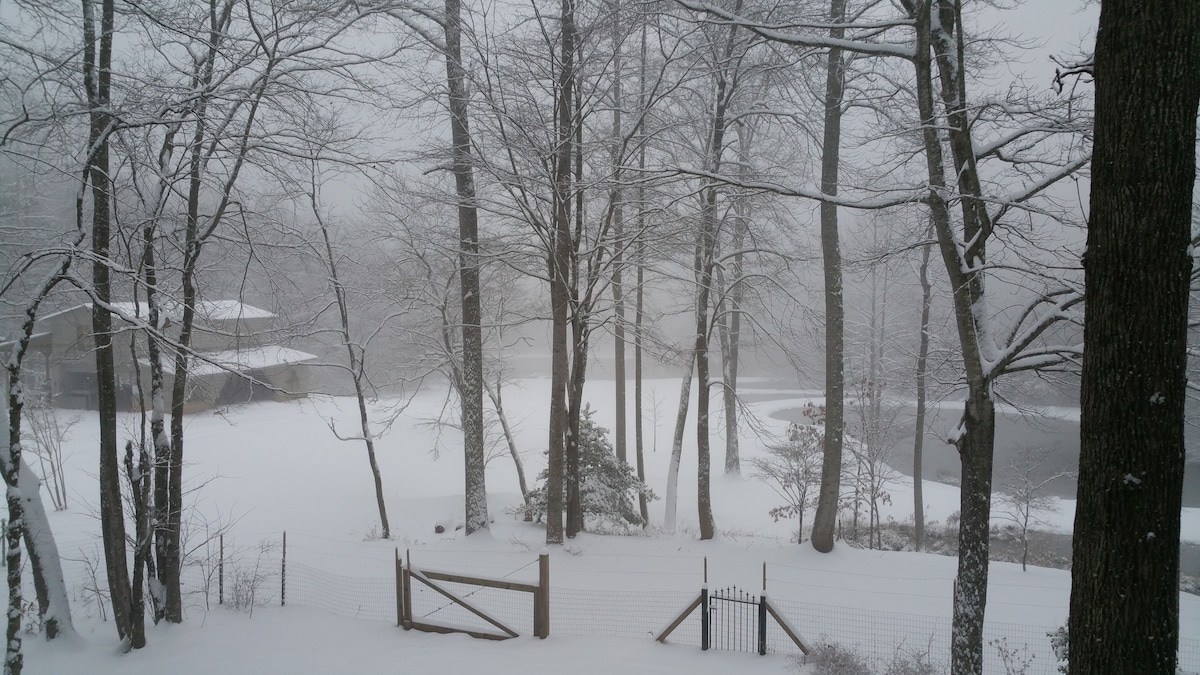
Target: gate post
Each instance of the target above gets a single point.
(541, 599)
(406, 585)
(762, 625)
(704, 637)
(400, 590)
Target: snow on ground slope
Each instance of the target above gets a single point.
(265, 468)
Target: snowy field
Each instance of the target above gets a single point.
(262, 469)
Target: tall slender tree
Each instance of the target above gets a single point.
(471, 387)
(835, 385)
(97, 76)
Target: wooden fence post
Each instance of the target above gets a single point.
(283, 574)
(762, 623)
(400, 590)
(704, 636)
(407, 612)
(541, 610)
(221, 572)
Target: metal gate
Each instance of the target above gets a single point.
(735, 621)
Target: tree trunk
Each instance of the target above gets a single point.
(831, 467)
(139, 491)
(938, 29)
(1125, 557)
(639, 312)
(355, 358)
(618, 261)
(159, 507)
(573, 453)
(672, 496)
(495, 395)
(14, 531)
(922, 395)
(97, 79)
(729, 320)
(559, 275)
(471, 390)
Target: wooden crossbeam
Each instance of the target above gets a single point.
(423, 578)
(787, 627)
(662, 637)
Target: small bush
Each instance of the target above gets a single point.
(912, 662)
(830, 658)
(1016, 661)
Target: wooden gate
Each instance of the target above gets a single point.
(734, 620)
(405, 574)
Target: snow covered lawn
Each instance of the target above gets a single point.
(264, 468)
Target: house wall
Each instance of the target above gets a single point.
(71, 363)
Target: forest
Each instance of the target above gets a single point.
(880, 201)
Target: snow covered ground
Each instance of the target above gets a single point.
(265, 468)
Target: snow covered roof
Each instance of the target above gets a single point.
(208, 310)
(242, 360)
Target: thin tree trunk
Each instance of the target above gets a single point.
(159, 507)
(639, 314)
(139, 477)
(354, 357)
(1125, 557)
(97, 79)
(559, 275)
(580, 334)
(26, 516)
(618, 290)
(965, 268)
(922, 395)
(672, 496)
(495, 395)
(831, 468)
(730, 325)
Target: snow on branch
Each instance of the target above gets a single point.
(819, 37)
(1081, 68)
(871, 204)
(1038, 315)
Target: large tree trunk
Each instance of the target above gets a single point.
(471, 389)
(1125, 558)
(825, 518)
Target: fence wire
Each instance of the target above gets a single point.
(256, 576)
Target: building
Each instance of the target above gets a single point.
(233, 361)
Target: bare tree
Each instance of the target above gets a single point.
(1023, 492)
(793, 470)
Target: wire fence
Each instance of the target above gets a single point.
(266, 573)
